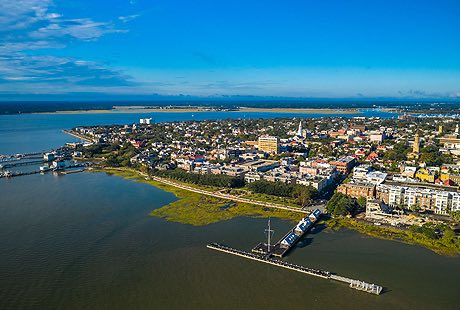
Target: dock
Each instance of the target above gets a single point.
(290, 239)
(21, 163)
(352, 283)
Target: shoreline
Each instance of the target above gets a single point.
(197, 209)
(192, 209)
(405, 236)
(127, 110)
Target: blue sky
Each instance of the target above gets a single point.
(327, 49)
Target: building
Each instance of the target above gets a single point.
(376, 177)
(269, 144)
(439, 201)
(58, 164)
(451, 141)
(395, 196)
(376, 210)
(299, 130)
(49, 156)
(319, 183)
(260, 165)
(455, 202)
(250, 177)
(344, 164)
(420, 197)
(425, 175)
(409, 171)
(357, 190)
(455, 178)
(443, 201)
(416, 146)
(382, 192)
(377, 137)
(146, 121)
(361, 171)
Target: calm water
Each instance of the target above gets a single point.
(84, 241)
(38, 132)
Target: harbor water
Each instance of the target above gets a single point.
(86, 241)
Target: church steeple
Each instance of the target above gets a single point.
(416, 147)
(299, 131)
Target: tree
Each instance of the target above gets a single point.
(361, 201)
(455, 216)
(415, 208)
(341, 205)
(304, 194)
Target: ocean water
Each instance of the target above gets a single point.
(24, 133)
(86, 241)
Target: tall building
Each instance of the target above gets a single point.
(269, 144)
(299, 131)
(416, 147)
(440, 129)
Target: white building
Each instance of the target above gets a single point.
(395, 195)
(443, 202)
(146, 121)
(361, 171)
(455, 204)
(376, 177)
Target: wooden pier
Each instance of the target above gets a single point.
(355, 284)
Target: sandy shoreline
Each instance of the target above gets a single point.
(201, 109)
(305, 111)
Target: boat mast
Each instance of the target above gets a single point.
(269, 233)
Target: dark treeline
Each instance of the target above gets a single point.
(304, 194)
(218, 180)
(50, 103)
(341, 205)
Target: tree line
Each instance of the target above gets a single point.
(303, 194)
(218, 180)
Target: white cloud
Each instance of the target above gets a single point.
(128, 18)
(20, 14)
(83, 28)
(30, 25)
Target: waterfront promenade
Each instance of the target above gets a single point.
(227, 196)
(216, 194)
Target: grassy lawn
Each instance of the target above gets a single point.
(273, 199)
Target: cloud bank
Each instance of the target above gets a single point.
(30, 26)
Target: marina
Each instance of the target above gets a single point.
(54, 161)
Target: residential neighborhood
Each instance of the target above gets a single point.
(408, 165)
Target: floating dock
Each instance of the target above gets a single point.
(290, 239)
(354, 284)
